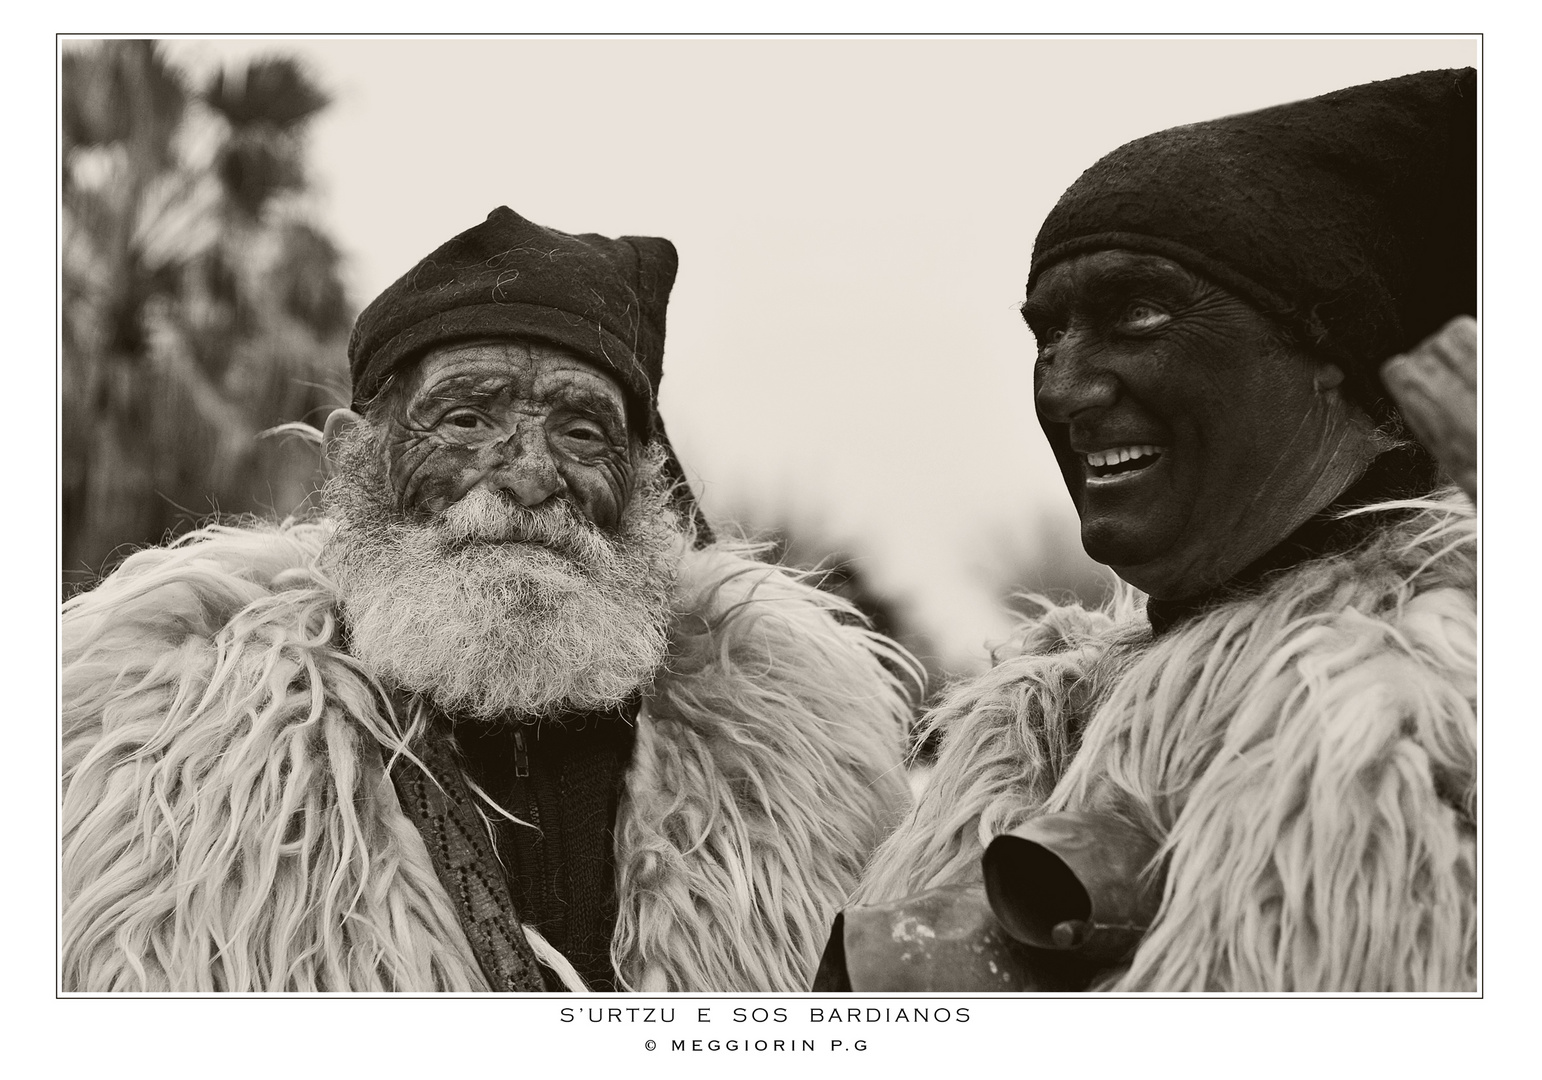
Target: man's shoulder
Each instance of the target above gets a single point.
(1425, 556)
(760, 644)
(1393, 619)
(726, 597)
(173, 604)
(203, 578)
(188, 639)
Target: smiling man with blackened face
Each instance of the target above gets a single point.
(1191, 433)
(1258, 771)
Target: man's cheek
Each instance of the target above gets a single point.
(603, 492)
(430, 479)
(603, 505)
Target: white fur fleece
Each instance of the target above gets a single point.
(1309, 756)
(229, 823)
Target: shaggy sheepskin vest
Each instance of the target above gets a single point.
(230, 823)
(1307, 754)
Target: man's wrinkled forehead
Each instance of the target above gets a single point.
(524, 365)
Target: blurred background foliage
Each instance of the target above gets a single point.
(200, 304)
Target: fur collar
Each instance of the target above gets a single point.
(1308, 753)
(229, 823)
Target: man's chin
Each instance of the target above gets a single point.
(1117, 545)
(1164, 576)
(487, 628)
(523, 641)
(1137, 557)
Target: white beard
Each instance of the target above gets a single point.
(493, 610)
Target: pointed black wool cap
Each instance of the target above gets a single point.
(1350, 218)
(603, 299)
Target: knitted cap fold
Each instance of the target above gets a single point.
(601, 298)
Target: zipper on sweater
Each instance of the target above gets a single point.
(521, 758)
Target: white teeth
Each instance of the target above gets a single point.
(1118, 454)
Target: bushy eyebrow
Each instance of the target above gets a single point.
(1035, 312)
(461, 387)
(472, 387)
(593, 401)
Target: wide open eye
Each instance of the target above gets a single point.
(1140, 316)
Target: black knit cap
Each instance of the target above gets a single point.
(603, 299)
(1350, 219)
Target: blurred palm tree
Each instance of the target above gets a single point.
(199, 305)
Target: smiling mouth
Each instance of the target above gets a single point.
(1120, 463)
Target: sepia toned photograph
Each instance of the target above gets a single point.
(1050, 566)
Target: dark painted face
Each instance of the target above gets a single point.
(1190, 441)
(530, 421)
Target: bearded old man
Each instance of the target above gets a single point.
(1262, 775)
(506, 718)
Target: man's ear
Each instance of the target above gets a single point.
(337, 423)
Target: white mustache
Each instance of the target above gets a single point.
(482, 516)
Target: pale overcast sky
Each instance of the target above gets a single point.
(854, 221)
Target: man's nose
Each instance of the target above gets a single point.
(1072, 381)
(526, 471)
